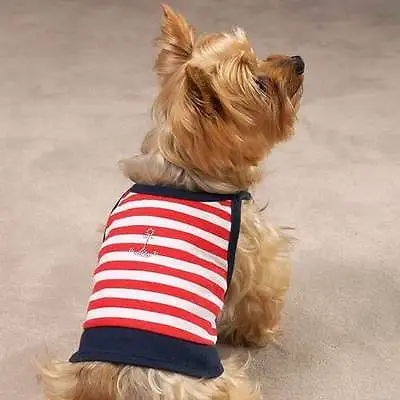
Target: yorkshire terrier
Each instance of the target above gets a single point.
(185, 257)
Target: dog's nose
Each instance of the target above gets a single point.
(298, 64)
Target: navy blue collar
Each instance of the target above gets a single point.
(169, 191)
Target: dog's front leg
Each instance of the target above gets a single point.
(260, 280)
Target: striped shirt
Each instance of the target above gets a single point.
(164, 264)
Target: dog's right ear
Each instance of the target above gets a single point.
(175, 43)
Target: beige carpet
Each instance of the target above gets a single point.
(75, 89)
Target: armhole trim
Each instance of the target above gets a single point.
(235, 231)
(115, 206)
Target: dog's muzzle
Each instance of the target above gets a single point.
(298, 64)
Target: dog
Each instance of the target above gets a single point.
(186, 258)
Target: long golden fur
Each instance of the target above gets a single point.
(103, 381)
(219, 112)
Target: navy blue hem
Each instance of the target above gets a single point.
(129, 346)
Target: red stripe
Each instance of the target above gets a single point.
(172, 215)
(194, 204)
(154, 307)
(176, 254)
(225, 202)
(148, 267)
(173, 234)
(158, 288)
(147, 326)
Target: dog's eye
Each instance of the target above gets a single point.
(261, 82)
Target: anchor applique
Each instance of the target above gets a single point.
(143, 251)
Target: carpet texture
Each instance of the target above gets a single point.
(76, 86)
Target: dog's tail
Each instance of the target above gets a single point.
(104, 381)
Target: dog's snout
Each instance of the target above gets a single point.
(298, 64)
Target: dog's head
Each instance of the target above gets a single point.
(220, 109)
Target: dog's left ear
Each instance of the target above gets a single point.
(175, 43)
(201, 92)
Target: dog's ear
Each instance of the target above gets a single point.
(238, 89)
(175, 43)
(201, 91)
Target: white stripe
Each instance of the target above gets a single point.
(166, 262)
(185, 209)
(149, 316)
(218, 205)
(155, 277)
(160, 222)
(133, 294)
(171, 243)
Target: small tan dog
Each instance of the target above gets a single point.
(219, 112)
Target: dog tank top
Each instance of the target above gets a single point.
(162, 274)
